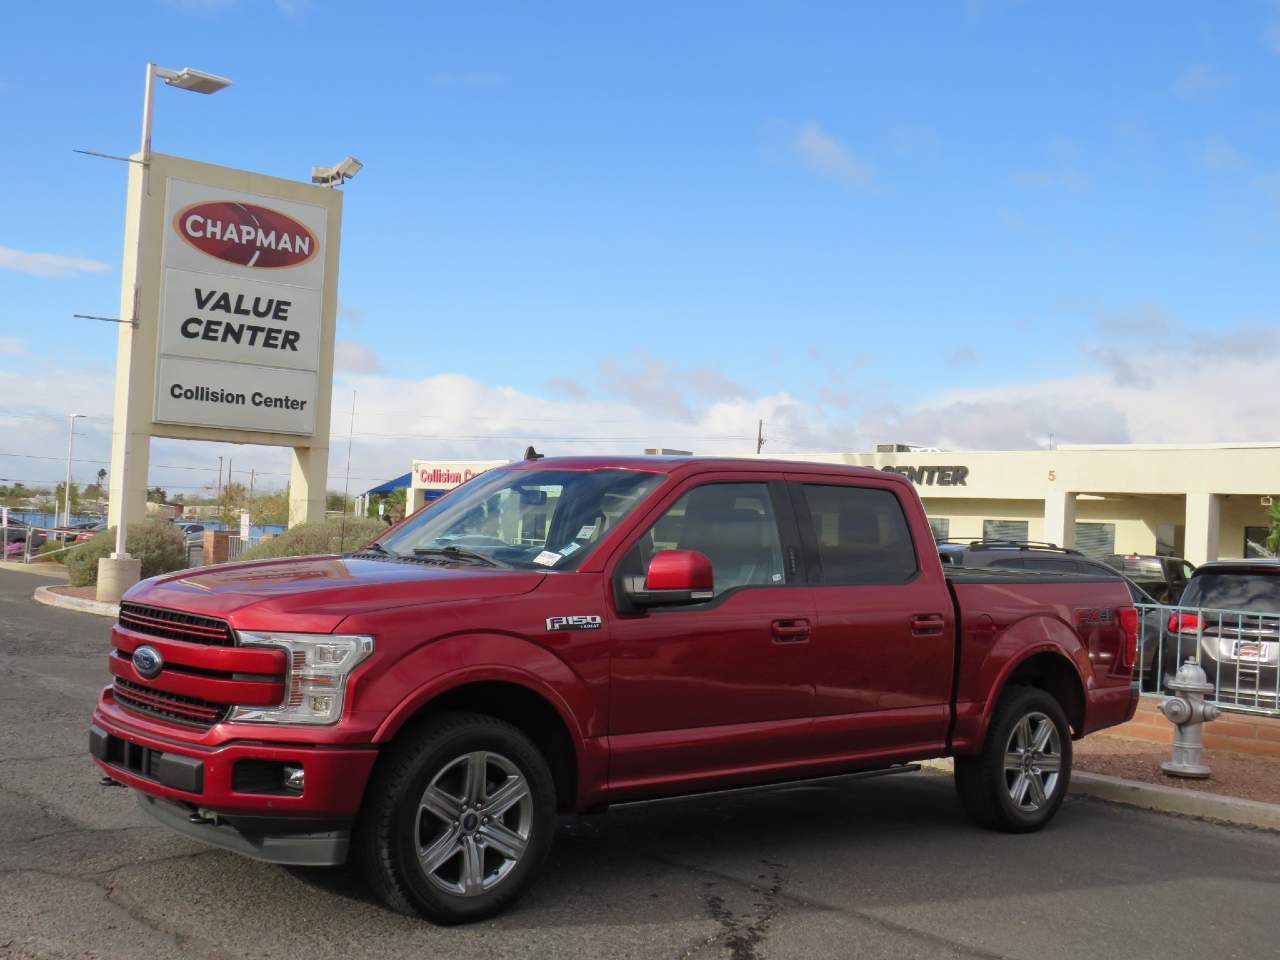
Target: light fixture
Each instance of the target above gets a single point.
(195, 80)
(334, 176)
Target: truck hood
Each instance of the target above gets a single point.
(315, 594)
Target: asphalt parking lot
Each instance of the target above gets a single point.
(846, 868)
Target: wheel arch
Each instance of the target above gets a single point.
(1049, 669)
(532, 708)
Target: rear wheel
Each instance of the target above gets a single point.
(1019, 780)
(457, 820)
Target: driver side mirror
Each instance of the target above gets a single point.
(674, 578)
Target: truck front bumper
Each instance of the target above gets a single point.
(234, 795)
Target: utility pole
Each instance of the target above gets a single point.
(759, 436)
(251, 476)
(219, 478)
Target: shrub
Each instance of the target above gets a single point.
(157, 543)
(323, 536)
(52, 546)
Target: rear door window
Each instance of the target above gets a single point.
(861, 534)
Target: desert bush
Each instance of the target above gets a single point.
(157, 543)
(320, 537)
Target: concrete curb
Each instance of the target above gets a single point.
(1153, 796)
(50, 597)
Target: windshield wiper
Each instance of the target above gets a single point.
(455, 552)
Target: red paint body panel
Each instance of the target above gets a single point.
(765, 683)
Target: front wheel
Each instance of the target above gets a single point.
(458, 819)
(1019, 780)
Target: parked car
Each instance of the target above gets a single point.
(90, 531)
(15, 538)
(1163, 577)
(427, 705)
(1049, 558)
(1230, 612)
(194, 532)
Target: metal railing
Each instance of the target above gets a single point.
(1239, 651)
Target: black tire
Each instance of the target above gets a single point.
(987, 788)
(393, 827)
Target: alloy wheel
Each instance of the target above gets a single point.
(474, 822)
(1032, 761)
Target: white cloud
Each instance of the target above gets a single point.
(1199, 82)
(1271, 35)
(1220, 156)
(1060, 173)
(355, 357)
(829, 156)
(12, 345)
(48, 264)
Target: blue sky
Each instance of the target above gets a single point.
(974, 223)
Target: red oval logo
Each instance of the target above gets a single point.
(246, 234)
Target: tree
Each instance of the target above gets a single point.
(336, 503)
(231, 503)
(157, 495)
(271, 508)
(59, 496)
(1273, 538)
(102, 477)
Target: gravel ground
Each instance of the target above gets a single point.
(1234, 774)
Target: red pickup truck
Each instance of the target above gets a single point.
(559, 635)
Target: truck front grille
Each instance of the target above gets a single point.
(175, 625)
(170, 706)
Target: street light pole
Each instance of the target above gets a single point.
(186, 79)
(66, 490)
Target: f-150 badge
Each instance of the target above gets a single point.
(580, 622)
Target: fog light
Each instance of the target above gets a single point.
(294, 778)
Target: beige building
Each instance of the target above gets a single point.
(1202, 502)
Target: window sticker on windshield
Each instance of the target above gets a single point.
(586, 532)
(569, 548)
(547, 558)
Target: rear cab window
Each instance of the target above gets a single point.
(859, 534)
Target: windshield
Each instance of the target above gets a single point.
(529, 519)
(1251, 592)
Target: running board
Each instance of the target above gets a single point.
(761, 787)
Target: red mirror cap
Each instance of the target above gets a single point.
(679, 570)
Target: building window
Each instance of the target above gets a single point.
(941, 527)
(1255, 542)
(1096, 539)
(1015, 530)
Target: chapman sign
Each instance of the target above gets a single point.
(241, 310)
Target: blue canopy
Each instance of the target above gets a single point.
(390, 485)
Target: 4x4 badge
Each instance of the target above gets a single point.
(581, 622)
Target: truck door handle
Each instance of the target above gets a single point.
(790, 631)
(927, 625)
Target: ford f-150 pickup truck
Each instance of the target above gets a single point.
(558, 635)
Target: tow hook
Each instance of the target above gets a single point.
(109, 782)
(200, 818)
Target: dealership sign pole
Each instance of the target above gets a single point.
(233, 285)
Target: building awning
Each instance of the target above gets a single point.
(399, 483)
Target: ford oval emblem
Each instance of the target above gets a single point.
(147, 661)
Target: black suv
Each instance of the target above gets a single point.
(1050, 558)
(1162, 577)
(1230, 613)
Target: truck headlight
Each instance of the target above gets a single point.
(317, 667)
